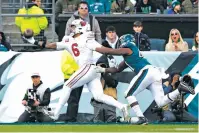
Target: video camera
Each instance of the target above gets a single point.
(177, 107)
(156, 109)
(31, 97)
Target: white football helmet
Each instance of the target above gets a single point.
(80, 26)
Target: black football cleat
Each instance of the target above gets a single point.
(185, 88)
(142, 121)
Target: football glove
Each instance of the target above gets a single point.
(100, 69)
(31, 41)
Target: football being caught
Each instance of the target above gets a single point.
(28, 33)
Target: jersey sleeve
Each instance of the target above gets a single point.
(63, 44)
(92, 44)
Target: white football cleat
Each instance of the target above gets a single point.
(125, 113)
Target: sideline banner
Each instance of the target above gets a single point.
(15, 70)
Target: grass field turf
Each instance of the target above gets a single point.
(100, 128)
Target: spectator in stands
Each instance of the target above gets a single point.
(64, 6)
(111, 40)
(176, 43)
(4, 45)
(146, 7)
(37, 2)
(196, 42)
(169, 4)
(37, 24)
(175, 7)
(190, 6)
(123, 6)
(99, 6)
(82, 13)
(142, 40)
(161, 5)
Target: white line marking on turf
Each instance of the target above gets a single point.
(179, 129)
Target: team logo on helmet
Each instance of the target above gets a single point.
(79, 26)
(127, 39)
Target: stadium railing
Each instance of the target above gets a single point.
(52, 16)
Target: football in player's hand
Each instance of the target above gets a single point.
(28, 33)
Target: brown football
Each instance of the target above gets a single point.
(28, 33)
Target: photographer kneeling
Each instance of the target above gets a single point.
(177, 110)
(36, 101)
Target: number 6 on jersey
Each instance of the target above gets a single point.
(75, 49)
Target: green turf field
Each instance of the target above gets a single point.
(100, 128)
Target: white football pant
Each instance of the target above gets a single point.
(86, 75)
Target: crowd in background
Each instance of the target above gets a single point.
(39, 24)
(132, 6)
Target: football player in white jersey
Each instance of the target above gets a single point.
(76, 44)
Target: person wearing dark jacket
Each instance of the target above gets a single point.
(4, 45)
(111, 40)
(146, 7)
(123, 6)
(36, 101)
(141, 40)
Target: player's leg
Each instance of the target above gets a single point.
(158, 94)
(79, 78)
(73, 104)
(138, 84)
(96, 89)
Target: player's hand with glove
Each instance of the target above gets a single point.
(28, 36)
(30, 40)
(33, 41)
(100, 69)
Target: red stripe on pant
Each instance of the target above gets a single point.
(78, 76)
(81, 76)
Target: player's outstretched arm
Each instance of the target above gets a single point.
(52, 45)
(120, 51)
(42, 44)
(120, 68)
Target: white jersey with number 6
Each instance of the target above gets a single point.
(82, 50)
(78, 48)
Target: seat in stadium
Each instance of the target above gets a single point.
(189, 41)
(157, 44)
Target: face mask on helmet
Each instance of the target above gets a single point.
(79, 26)
(127, 40)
